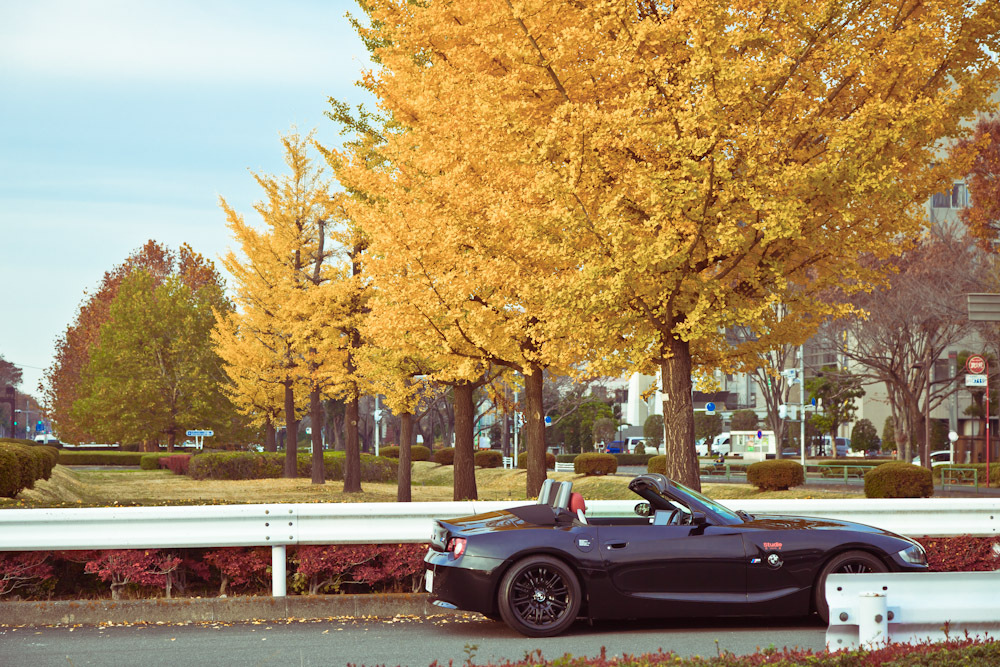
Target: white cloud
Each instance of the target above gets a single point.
(224, 41)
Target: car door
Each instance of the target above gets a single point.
(675, 570)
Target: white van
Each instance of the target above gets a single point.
(722, 444)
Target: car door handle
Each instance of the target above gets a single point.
(617, 545)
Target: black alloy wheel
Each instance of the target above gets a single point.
(539, 596)
(849, 562)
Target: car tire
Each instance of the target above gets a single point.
(857, 562)
(539, 596)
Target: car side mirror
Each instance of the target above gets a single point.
(698, 518)
(642, 509)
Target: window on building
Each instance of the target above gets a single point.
(956, 196)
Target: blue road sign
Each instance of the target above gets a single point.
(201, 433)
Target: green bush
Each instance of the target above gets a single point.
(389, 451)
(489, 458)
(27, 465)
(593, 463)
(419, 453)
(777, 475)
(657, 464)
(10, 474)
(52, 458)
(444, 457)
(236, 465)
(101, 458)
(967, 476)
(550, 460)
(898, 479)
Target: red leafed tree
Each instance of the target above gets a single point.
(239, 567)
(23, 570)
(322, 569)
(396, 563)
(121, 567)
(983, 214)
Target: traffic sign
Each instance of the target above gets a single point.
(548, 420)
(203, 433)
(975, 380)
(975, 365)
(710, 408)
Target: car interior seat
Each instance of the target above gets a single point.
(577, 506)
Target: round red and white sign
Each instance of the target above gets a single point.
(975, 365)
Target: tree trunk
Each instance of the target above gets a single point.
(291, 433)
(352, 454)
(270, 441)
(678, 412)
(403, 494)
(464, 465)
(534, 430)
(316, 416)
(171, 440)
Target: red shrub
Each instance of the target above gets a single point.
(323, 569)
(177, 464)
(962, 554)
(240, 567)
(23, 570)
(122, 567)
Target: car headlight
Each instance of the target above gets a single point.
(914, 554)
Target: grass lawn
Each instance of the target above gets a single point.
(430, 483)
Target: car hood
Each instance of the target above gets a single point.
(782, 522)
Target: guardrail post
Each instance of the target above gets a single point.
(873, 622)
(278, 565)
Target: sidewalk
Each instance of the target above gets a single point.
(216, 610)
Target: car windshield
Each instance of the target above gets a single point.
(721, 510)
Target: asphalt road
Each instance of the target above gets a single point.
(408, 641)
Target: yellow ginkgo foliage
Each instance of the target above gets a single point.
(650, 173)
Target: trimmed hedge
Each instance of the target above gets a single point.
(417, 452)
(269, 465)
(657, 463)
(152, 461)
(178, 464)
(105, 458)
(550, 461)
(22, 463)
(445, 457)
(778, 475)
(593, 463)
(489, 458)
(963, 473)
(623, 459)
(10, 474)
(899, 479)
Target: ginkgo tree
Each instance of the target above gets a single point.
(671, 169)
(271, 275)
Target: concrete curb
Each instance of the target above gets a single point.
(218, 610)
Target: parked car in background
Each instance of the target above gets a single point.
(823, 447)
(939, 457)
(47, 439)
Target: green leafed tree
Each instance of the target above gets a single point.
(836, 390)
(653, 430)
(153, 373)
(745, 420)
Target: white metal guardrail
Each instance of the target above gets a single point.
(280, 525)
(870, 610)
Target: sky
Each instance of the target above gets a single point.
(125, 121)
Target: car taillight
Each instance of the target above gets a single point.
(456, 546)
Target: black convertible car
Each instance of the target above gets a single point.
(540, 567)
